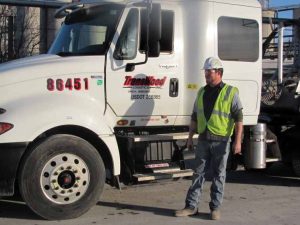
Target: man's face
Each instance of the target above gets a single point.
(213, 77)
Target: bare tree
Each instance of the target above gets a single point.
(27, 32)
(19, 32)
(6, 31)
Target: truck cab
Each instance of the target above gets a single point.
(111, 100)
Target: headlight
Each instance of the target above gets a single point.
(5, 127)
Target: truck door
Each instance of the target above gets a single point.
(238, 41)
(148, 95)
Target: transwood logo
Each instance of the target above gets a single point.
(149, 81)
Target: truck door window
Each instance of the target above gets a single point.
(126, 47)
(238, 39)
(167, 34)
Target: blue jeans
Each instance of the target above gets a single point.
(209, 154)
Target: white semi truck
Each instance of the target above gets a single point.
(111, 100)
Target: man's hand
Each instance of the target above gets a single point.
(237, 144)
(237, 148)
(189, 143)
(192, 129)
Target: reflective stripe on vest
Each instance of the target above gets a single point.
(220, 121)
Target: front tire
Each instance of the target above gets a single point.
(62, 177)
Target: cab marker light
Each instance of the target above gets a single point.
(5, 127)
(2, 111)
(122, 122)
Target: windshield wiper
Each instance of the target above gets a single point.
(66, 53)
(76, 53)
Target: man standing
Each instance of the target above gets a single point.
(217, 112)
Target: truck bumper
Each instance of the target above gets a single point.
(10, 156)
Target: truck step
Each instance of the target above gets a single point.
(269, 141)
(166, 170)
(268, 160)
(160, 137)
(162, 175)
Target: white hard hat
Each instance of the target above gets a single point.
(212, 63)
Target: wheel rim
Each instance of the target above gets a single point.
(65, 178)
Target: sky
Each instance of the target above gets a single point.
(283, 2)
(286, 14)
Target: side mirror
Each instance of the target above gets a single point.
(155, 31)
(154, 36)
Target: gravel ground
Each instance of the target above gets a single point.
(255, 197)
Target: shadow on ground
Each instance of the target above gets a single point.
(278, 174)
(13, 207)
(155, 210)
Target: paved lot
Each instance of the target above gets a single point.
(259, 198)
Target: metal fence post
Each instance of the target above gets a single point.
(10, 46)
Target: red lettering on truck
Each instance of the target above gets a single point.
(68, 84)
(150, 81)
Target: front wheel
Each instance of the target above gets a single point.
(62, 177)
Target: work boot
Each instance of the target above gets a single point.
(215, 214)
(187, 211)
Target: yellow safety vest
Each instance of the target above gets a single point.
(220, 121)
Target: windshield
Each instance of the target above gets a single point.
(87, 31)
